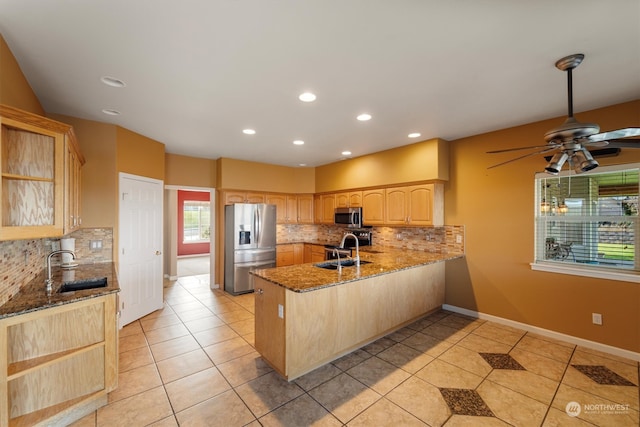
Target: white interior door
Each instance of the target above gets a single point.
(139, 246)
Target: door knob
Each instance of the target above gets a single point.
(158, 253)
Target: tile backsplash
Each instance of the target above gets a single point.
(444, 239)
(22, 260)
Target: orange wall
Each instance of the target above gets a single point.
(496, 207)
(14, 87)
(138, 155)
(244, 175)
(422, 161)
(190, 171)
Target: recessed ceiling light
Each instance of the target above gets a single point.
(307, 97)
(414, 135)
(112, 81)
(249, 131)
(364, 117)
(111, 112)
(298, 142)
(346, 153)
(302, 164)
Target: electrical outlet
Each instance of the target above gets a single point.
(96, 244)
(596, 318)
(280, 311)
(458, 239)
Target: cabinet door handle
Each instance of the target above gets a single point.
(259, 291)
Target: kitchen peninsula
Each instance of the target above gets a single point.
(307, 316)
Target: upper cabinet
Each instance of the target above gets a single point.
(414, 205)
(373, 203)
(35, 173)
(73, 162)
(305, 208)
(233, 197)
(349, 199)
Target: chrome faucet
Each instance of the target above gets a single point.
(337, 253)
(357, 259)
(49, 281)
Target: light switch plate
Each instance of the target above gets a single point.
(280, 311)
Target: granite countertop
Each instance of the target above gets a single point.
(383, 260)
(33, 295)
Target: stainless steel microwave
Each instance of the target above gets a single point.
(351, 217)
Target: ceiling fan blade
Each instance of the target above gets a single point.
(548, 146)
(526, 155)
(628, 143)
(620, 133)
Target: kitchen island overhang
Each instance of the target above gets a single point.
(307, 316)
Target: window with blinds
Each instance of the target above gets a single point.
(588, 220)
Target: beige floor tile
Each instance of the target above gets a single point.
(159, 322)
(164, 334)
(406, 358)
(243, 327)
(350, 360)
(445, 375)
(444, 332)
(130, 329)
(223, 410)
(199, 313)
(267, 392)
(500, 333)
(318, 376)
(131, 342)
(413, 395)
(235, 315)
(527, 383)
(401, 334)
(598, 414)
(228, 350)
(138, 410)
(221, 307)
(134, 358)
(379, 345)
(243, 369)
(513, 408)
(427, 344)
(185, 364)
(539, 364)
(462, 323)
(381, 376)
(302, 411)
(551, 340)
(546, 348)
(166, 422)
(196, 388)
(215, 335)
(187, 306)
(344, 397)
(469, 360)
(608, 356)
(166, 310)
(135, 381)
(472, 421)
(483, 345)
(626, 395)
(173, 347)
(202, 324)
(385, 413)
(558, 418)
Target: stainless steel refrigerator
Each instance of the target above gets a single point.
(249, 244)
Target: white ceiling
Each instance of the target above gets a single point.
(197, 72)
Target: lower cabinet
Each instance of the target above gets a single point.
(289, 254)
(297, 332)
(60, 362)
(313, 253)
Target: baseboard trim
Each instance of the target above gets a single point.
(620, 352)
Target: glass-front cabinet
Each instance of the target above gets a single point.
(32, 159)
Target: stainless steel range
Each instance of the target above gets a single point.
(364, 239)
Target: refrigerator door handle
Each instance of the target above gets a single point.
(258, 225)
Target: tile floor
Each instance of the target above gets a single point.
(193, 364)
(192, 266)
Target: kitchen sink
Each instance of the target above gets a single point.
(333, 265)
(79, 285)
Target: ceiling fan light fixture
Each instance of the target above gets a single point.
(583, 161)
(556, 163)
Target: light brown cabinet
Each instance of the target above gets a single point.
(60, 362)
(328, 208)
(39, 184)
(373, 206)
(305, 208)
(233, 197)
(313, 253)
(412, 205)
(349, 199)
(289, 254)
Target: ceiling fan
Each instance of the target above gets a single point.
(572, 138)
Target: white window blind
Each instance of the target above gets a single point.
(588, 220)
(197, 216)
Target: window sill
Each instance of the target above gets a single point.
(597, 273)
